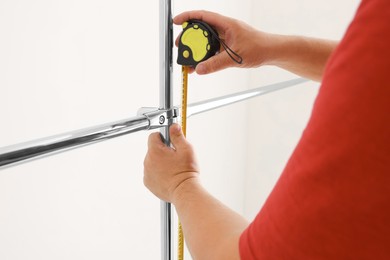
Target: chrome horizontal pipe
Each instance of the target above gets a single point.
(24, 152)
(214, 103)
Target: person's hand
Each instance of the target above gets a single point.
(246, 41)
(166, 168)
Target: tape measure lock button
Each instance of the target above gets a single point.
(186, 54)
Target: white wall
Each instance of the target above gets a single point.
(70, 64)
(66, 65)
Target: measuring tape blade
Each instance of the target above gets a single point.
(198, 42)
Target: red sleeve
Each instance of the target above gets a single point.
(333, 199)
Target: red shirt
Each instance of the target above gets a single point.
(333, 199)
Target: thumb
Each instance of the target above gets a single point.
(218, 62)
(177, 137)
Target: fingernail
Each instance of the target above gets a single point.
(176, 128)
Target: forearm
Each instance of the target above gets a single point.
(300, 55)
(211, 229)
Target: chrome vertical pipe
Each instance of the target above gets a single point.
(166, 100)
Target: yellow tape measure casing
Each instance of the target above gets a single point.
(197, 43)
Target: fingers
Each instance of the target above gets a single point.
(218, 62)
(216, 20)
(177, 137)
(155, 140)
(177, 40)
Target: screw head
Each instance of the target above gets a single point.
(161, 120)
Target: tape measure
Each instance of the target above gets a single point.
(198, 42)
(184, 83)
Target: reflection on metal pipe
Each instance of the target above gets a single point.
(214, 103)
(166, 102)
(20, 153)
